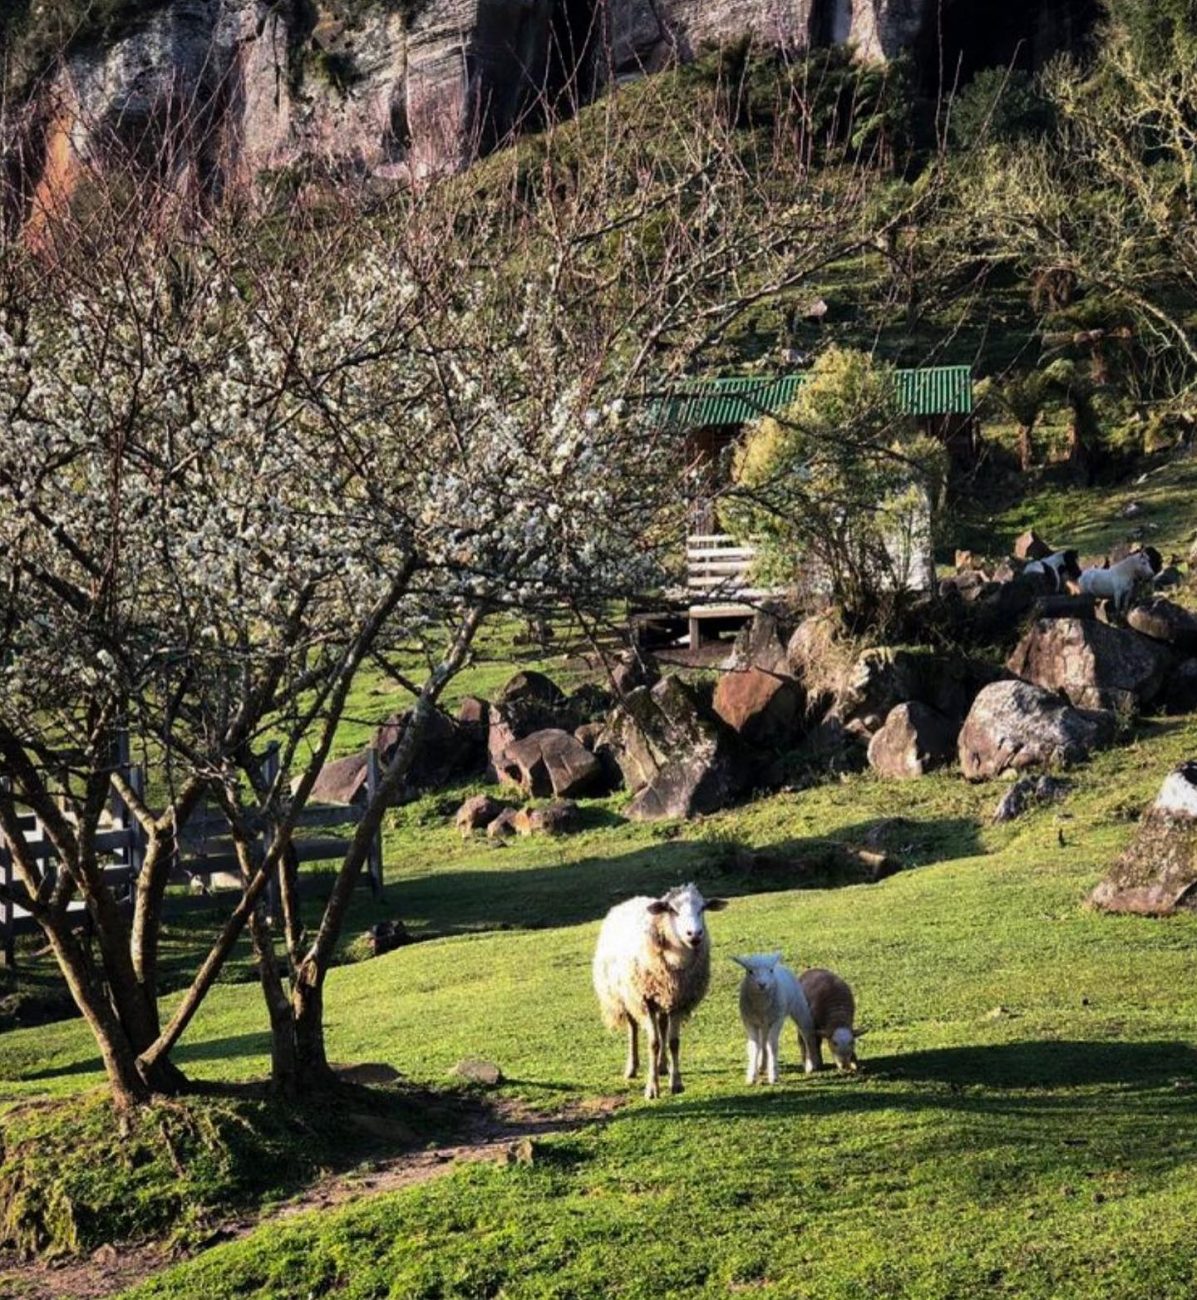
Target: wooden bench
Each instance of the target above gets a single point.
(717, 569)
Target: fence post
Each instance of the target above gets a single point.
(7, 917)
(374, 861)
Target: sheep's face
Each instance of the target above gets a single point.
(684, 910)
(1146, 562)
(761, 970)
(843, 1048)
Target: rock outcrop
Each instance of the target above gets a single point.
(1157, 874)
(387, 90)
(1014, 725)
(1096, 666)
(914, 740)
(550, 762)
(676, 758)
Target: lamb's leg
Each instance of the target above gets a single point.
(662, 1038)
(816, 1055)
(771, 1051)
(633, 1066)
(809, 1043)
(674, 1032)
(652, 1087)
(754, 1059)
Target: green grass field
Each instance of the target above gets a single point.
(1023, 1125)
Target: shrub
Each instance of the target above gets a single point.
(836, 491)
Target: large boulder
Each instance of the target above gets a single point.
(762, 644)
(530, 701)
(1180, 690)
(561, 817)
(550, 762)
(1157, 874)
(635, 668)
(1015, 725)
(1095, 665)
(1030, 546)
(1166, 621)
(527, 703)
(676, 757)
(763, 707)
(477, 813)
(883, 677)
(342, 781)
(914, 740)
(443, 753)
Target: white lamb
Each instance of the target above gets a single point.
(769, 994)
(652, 967)
(833, 1009)
(1117, 583)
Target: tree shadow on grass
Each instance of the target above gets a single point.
(570, 893)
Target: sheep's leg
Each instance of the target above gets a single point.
(652, 1087)
(815, 1061)
(633, 1066)
(774, 1034)
(673, 1028)
(662, 1038)
(754, 1057)
(809, 1042)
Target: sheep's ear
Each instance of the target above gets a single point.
(658, 907)
(742, 961)
(859, 1033)
(715, 904)
(774, 958)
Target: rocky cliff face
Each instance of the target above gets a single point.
(391, 89)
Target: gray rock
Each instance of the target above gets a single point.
(476, 1069)
(1028, 790)
(1164, 620)
(1015, 725)
(550, 762)
(503, 827)
(678, 759)
(558, 818)
(761, 644)
(914, 740)
(477, 813)
(1096, 666)
(764, 708)
(1157, 874)
(1030, 546)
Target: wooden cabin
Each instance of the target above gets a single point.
(714, 412)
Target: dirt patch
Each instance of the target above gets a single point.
(502, 1132)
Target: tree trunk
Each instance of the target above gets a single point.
(307, 1003)
(117, 1051)
(1024, 447)
(285, 1074)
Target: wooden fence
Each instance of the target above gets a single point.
(205, 855)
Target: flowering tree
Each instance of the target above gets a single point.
(251, 452)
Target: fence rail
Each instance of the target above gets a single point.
(204, 854)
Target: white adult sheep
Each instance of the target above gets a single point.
(833, 1009)
(1117, 583)
(769, 994)
(652, 966)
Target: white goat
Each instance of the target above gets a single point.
(1117, 583)
(1060, 566)
(652, 966)
(833, 1009)
(769, 993)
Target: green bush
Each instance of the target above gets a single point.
(998, 104)
(835, 492)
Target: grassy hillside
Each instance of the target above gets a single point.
(1022, 1124)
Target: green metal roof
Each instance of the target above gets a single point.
(932, 390)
